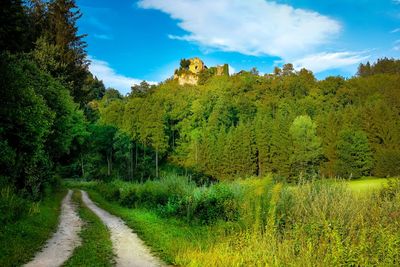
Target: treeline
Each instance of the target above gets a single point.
(45, 91)
(286, 123)
(57, 119)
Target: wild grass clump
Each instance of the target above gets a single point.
(12, 206)
(21, 239)
(209, 204)
(391, 189)
(321, 223)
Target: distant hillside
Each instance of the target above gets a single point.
(287, 123)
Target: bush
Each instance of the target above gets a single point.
(153, 194)
(175, 195)
(217, 202)
(387, 162)
(129, 198)
(109, 191)
(391, 189)
(12, 206)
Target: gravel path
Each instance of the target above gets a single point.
(61, 245)
(129, 249)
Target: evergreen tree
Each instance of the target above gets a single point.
(280, 141)
(61, 35)
(263, 131)
(354, 158)
(307, 151)
(14, 23)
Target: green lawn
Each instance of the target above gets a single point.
(96, 248)
(367, 184)
(21, 240)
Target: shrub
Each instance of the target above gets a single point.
(175, 195)
(218, 202)
(108, 190)
(129, 198)
(387, 162)
(12, 206)
(391, 189)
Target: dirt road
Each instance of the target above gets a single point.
(61, 245)
(129, 249)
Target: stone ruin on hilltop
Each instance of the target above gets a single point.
(193, 71)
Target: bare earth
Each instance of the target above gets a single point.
(129, 249)
(63, 242)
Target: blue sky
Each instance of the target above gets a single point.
(129, 41)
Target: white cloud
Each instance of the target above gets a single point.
(232, 70)
(255, 27)
(325, 61)
(396, 46)
(395, 30)
(97, 23)
(102, 70)
(103, 36)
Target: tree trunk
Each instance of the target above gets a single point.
(259, 171)
(157, 163)
(131, 162)
(196, 157)
(144, 153)
(136, 155)
(82, 166)
(109, 163)
(173, 139)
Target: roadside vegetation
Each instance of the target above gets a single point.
(28, 226)
(316, 223)
(96, 247)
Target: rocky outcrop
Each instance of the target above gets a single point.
(187, 78)
(191, 70)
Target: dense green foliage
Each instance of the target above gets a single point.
(44, 84)
(286, 123)
(353, 154)
(39, 123)
(96, 248)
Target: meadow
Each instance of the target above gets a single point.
(258, 222)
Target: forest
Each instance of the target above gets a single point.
(287, 123)
(215, 162)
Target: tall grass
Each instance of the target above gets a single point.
(263, 223)
(12, 206)
(315, 224)
(23, 235)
